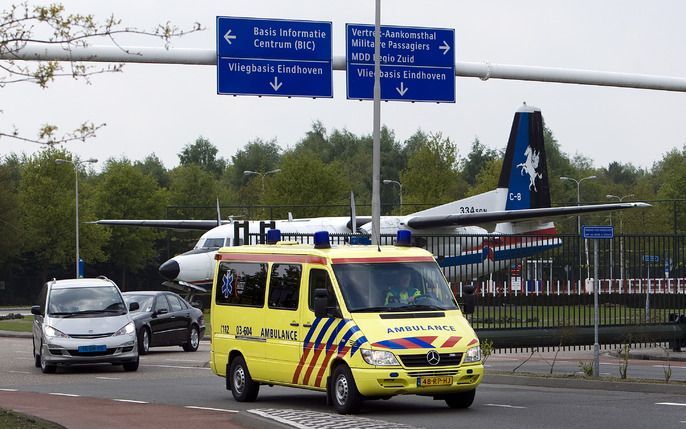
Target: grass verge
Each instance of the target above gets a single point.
(12, 420)
(17, 325)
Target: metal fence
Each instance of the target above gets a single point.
(543, 281)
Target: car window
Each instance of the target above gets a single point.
(284, 286)
(241, 283)
(161, 303)
(174, 302)
(144, 301)
(86, 301)
(319, 279)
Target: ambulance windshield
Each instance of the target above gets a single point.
(402, 286)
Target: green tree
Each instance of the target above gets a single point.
(125, 192)
(477, 159)
(46, 204)
(306, 180)
(257, 155)
(10, 221)
(432, 174)
(203, 154)
(487, 178)
(152, 166)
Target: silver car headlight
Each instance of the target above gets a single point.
(473, 354)
(379, 358)
(51, 332)
(128, 329)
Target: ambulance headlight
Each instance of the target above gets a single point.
(379, 358)
(128, 329)
(51, 332)
(473, 355)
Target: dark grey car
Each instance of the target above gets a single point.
(165, 319)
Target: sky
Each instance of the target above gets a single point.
(161, 108)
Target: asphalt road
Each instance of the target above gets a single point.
(169, 376)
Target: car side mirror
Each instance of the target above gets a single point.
(133, 306)
(468, 299)
(161, 311)
(35, 310)
(321, 299)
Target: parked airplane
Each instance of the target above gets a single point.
(519, 205)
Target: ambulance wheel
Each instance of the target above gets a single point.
(461, 400)
(243, 388)
(346, 398)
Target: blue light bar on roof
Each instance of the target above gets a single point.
(321, 240)
(273, 236)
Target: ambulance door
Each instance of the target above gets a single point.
(282, 322)
(238, 314)
(318, 337)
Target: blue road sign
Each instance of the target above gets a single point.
(274, 57)
(598, 232)
(651, 258)
(417, 64)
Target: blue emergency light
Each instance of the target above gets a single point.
(404, 238)
(273, 236)
(321, 240)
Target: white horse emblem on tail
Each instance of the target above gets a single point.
(529, 167)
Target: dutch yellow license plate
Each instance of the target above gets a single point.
(434, 381)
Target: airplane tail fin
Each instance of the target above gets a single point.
(525, 170)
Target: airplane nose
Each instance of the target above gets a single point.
(170, 270)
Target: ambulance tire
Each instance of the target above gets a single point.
(243, 388)
(460, 400)
(346, 398)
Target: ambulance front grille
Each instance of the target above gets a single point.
(432, 373)
(418, 360)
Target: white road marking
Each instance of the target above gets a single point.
(503, 359)
(19, 372)
(108, 378)
(130, 401)
(8, 390)
(675, 404)
(667, 366)
(71, 395)
(176, 366)
(192, 407)
(504, 406)
(611, 364)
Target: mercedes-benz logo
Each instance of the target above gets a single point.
(433, 358)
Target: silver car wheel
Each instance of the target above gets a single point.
(341, 389)
(195, 338)
(239, 379)
(146, 341)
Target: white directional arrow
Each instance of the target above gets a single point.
(444, 47)
(276, 85)
(402, 90)
(228, 36)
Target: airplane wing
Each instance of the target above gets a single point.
(188, 224)
(471, 219)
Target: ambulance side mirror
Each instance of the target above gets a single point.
(321, 300)
(468, 299)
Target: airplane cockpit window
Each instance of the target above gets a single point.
(213, 243)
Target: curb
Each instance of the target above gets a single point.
(13, 334)
(580, 383)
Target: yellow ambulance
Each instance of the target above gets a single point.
(355, 321)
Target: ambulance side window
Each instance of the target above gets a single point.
(241, 283)
(319, 279)
(284, 286)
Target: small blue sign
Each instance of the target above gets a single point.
(651, 258)
(417, 64)
(598, 232)
(271, 57)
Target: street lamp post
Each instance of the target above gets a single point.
(578, 218)
(621, 237)
(261, 174)
(400, 189)
(76, 163)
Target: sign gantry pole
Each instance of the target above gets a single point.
(376, 149)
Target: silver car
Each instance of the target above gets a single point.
(83, 321)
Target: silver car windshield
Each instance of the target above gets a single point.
(86, 302)
(406, 286)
